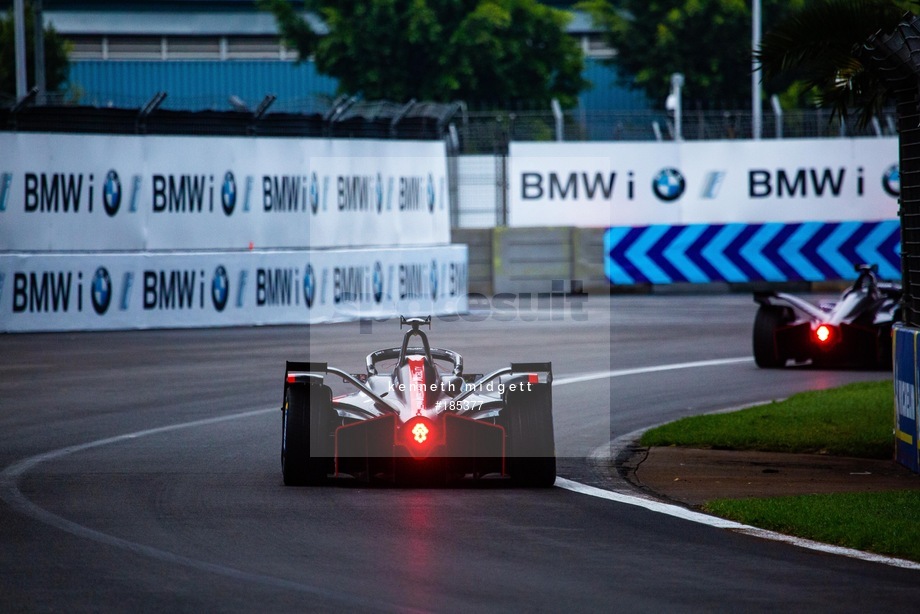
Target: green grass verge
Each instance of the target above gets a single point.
(853, 420)
(883, 522)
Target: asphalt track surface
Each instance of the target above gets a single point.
(139, 471)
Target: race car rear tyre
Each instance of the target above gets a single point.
(768, 319)
(530, 447)
(306, 435)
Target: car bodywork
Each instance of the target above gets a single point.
(418, 420)
(855, 330)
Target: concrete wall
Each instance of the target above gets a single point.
(479, 243)
(519, 260)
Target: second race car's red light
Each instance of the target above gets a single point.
(533, 378)
(823, 333)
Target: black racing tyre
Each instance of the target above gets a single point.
(306, 435)
(530, 447)
(768, 319)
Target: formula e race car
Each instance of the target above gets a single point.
(853, 331)
(411, 420)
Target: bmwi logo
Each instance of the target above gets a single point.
(220, 288)
(111, 193)
(6, 180)
(891, 181)
(433, 277)
(430, 193)
(668, 184)
(314, 193)
(309, 286)
(101, 290)
(379, 192)
(228, 193)
(713, 184)
(378, 282)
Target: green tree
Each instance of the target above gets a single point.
(709, 41)
(57, 64)
(820, 47)
(501, 52)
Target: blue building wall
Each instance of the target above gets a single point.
(197, 85)
(606, 94)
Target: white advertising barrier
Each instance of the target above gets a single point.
(61, 192)
(715, 182)
(177, 290)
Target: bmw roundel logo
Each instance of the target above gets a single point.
(309, 286)
(378, 282)
(111, 193)
(891, 181)
(430, 193)
(433, 278)
(220, 288)
(101, 290)
(379, 192)
(228, 193)
(314, 193)
(668, 184)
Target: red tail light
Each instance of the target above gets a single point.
(823, 333)
(420, 432)
(419, 435)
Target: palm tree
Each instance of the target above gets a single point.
(824, 47)
(860, 54)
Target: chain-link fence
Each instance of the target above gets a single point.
(479, 132)
(343, 117)
(490, 132)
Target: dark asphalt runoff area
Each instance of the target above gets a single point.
(140, 472)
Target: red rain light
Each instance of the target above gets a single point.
(291, 378)
(823, 333)
(533, 378)
(420, 436)
(420, 432)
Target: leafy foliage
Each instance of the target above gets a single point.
(820, 46)
(57, 65)
(709, 41)
(507, 52)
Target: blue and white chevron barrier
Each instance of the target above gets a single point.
(700, 253)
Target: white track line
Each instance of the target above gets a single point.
(576, 379)
(10, 492)
(721, 523)
(697, 517)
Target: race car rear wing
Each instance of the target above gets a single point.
(768, 298)
(517, 368)
(541, 372)
(314, 373)
(298, 372)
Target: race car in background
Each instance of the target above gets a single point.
(853, 331)
(416, 418)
